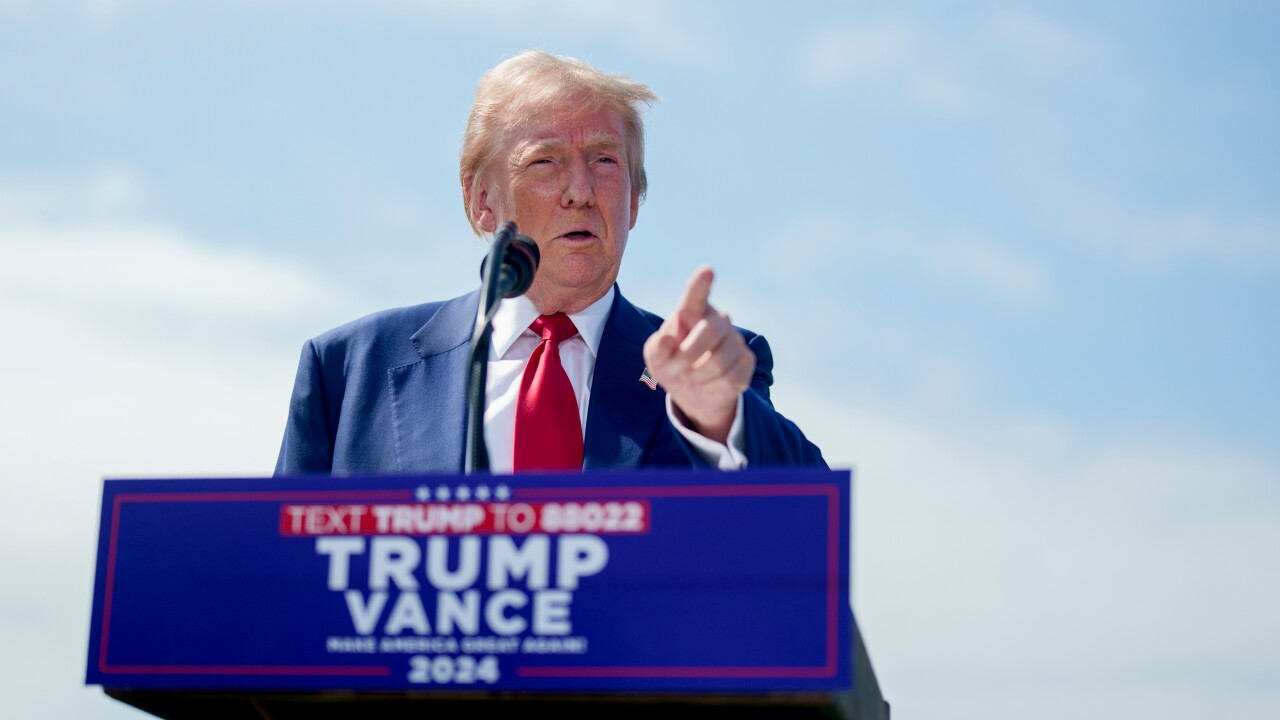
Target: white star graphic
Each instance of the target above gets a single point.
(482, 492)
(442, 492)
(463, 493)
(423, 493)
(502, 492)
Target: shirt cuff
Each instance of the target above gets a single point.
(722, 457)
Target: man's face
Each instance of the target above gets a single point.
(568, 186)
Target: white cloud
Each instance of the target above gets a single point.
(81, 402)
(677, 32)
(961, 69)
(16, 6)
(89, 246)
(853, 50)
(658, 27)
(1049, 43)
(994, 267)
(988, 67)
(105, 10)
(105, 192)
(970, 260)
(150, 269)
(96, 11)
(134, 348)
(1152, 240)
(1012, 564)
(897, 53)
(131, 348)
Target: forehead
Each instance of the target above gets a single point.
(568, 123)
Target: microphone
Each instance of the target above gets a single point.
(519, 261)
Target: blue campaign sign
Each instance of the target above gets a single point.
(631, 581)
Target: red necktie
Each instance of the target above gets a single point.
(548, 426)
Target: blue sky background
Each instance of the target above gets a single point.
(1020, 264)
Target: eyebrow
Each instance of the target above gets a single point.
(599, 140)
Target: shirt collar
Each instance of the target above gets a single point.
(515, 314)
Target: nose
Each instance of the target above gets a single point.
(579, 190)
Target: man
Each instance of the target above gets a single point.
(578, 376)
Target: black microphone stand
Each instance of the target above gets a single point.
(502, 275)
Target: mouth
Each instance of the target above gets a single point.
(578, 235)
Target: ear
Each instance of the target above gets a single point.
(635, 208)
(476, 198)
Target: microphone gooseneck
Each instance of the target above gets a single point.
(506, 272)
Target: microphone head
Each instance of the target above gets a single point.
(519, 265)
(522, 258)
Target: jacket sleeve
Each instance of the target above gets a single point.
(307, 448)
(771, 439)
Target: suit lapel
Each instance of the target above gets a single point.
(429, 403)
(624, 415)
(429, 397)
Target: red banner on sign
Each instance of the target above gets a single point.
(466, 518)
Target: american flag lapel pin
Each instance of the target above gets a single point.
(648, 380)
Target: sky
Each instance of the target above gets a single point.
(1019, 264)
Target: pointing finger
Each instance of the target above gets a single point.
(694, 302)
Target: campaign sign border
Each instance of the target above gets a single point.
(832, 672)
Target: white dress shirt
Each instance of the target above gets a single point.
(512, 345)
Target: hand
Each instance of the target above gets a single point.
(701, 360)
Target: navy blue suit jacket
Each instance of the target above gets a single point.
(387, 394)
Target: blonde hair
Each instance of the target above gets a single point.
(520, 87)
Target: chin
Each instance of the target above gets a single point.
(577, 272)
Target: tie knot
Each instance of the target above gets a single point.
(555, 328)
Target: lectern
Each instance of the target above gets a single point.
(605, 594)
